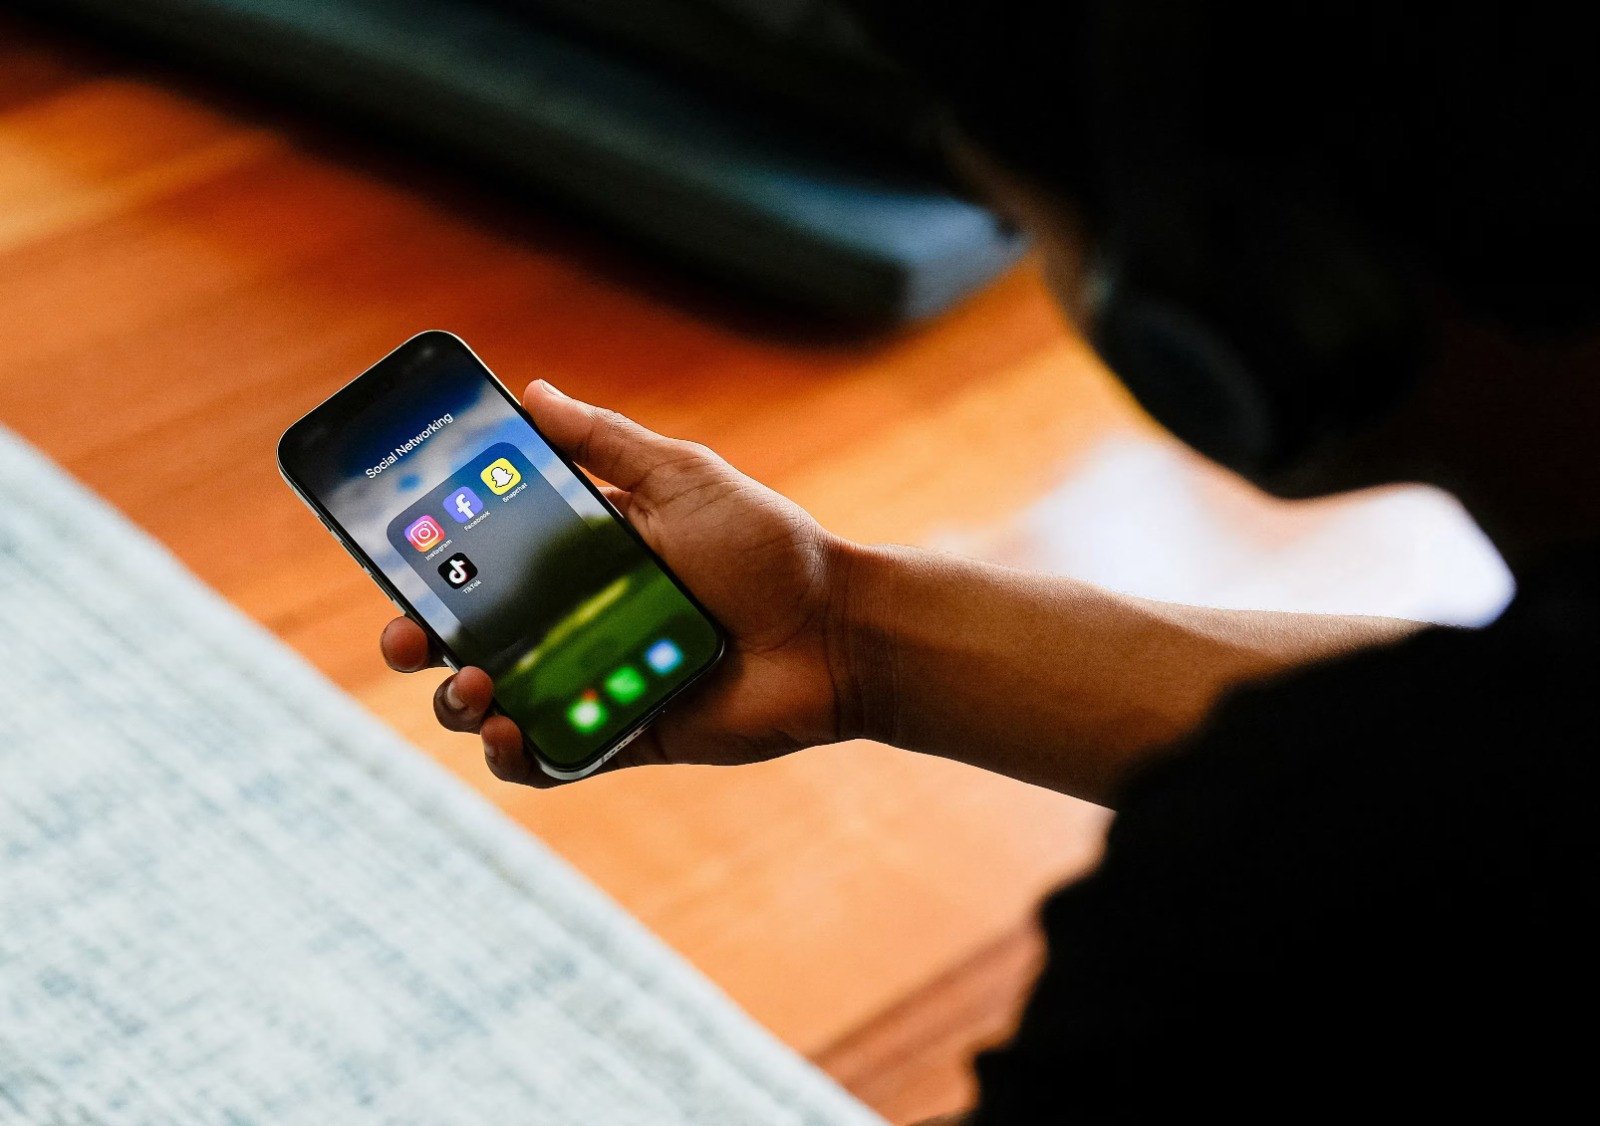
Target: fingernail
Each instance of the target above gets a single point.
(451, 698)
(492, 755)
(551, 389)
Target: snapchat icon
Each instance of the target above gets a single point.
(501, 476)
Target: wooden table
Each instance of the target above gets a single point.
(179, 281)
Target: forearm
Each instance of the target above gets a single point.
(1050, 680)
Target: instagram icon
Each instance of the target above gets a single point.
(425, 534)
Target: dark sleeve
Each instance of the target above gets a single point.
(1306, 892)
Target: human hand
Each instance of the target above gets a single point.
(764, 568)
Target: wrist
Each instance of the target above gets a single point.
(864, 603)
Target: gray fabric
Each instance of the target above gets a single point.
(229, 895)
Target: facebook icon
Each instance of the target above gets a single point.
(463, 505)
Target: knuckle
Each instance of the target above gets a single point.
(610, 423)
(687, 461)
(677, 477)
(696, 452)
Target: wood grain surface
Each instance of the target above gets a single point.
(184, 271)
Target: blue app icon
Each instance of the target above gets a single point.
(463, 505)
(663, 657)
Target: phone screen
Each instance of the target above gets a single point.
(508, 555)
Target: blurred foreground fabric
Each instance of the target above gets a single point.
(227, 894)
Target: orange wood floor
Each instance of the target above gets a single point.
(183, 272)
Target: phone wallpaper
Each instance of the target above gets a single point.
(506, 554)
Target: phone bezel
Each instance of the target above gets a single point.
(400, 355)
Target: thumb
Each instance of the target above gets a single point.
(609, 445)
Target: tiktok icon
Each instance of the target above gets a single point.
(458, 571)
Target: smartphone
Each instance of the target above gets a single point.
(439, 484)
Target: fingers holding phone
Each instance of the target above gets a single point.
(508, 562)
(463, 702)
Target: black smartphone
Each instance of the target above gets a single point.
(431, 474)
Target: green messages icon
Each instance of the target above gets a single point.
(586, 712)
(625, 685)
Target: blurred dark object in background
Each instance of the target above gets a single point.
(760, 142)
(803, 59)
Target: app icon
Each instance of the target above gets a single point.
(425, 533)
(463, 505)
(458, 571)
(663, 657)
(501, 476)
(625, 685)
(587, 712)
